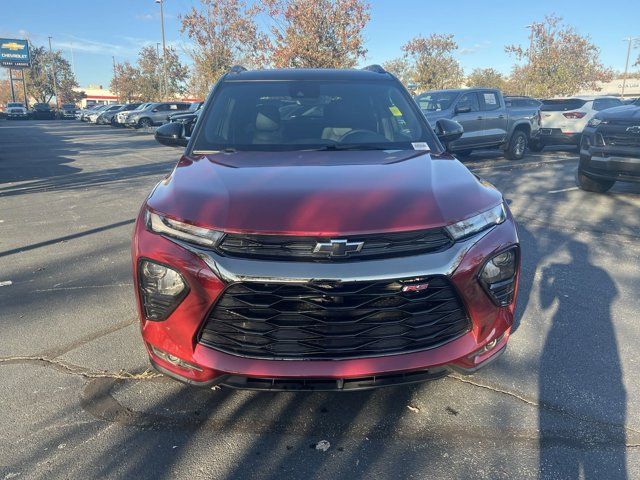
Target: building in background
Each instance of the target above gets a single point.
(614, 87)
(96, 94)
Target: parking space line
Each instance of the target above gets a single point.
(520, 165)
(563, 190)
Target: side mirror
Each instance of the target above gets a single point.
(448, 131)
(463, 109)
(171, 135)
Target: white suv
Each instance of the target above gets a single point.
(16, 110)
(563, 119)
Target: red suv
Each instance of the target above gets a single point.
(316, 235)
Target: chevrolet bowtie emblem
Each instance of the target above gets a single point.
(13, 46)
(338, 248)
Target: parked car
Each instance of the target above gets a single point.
(93, 117)
(610, 149)
(85, 112)
(340, 247)
(193, 107)
(120, 117)
(16, 111)
(518, 101)
(154, 114)
(109, 117)
(563, 119)
(105, 115)
(67, 110)
(187, 119)
(487, 121)
(42, 111)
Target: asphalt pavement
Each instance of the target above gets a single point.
(78, 401)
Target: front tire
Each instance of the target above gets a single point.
(535, 146)
(463, 154)
(145, 123)
(517, 146)
(592, 185)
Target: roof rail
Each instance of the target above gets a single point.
(375, 68)
(237, 69)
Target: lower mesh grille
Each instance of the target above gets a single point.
(329, 319)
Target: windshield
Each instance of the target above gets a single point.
(67, 105)
(562, 104)
(302, 115)
(436, 101)
(9, 105)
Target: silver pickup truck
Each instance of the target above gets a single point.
(488, 121)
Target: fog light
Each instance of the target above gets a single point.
(161, 289)
(489, 346)
(172, 359)
(498, 277)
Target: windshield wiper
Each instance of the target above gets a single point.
(352, 146)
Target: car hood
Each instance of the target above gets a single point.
(322, 193)
(624, 112)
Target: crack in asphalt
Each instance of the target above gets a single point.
(98, 400)
(548, 406)
(83, 287)
(72, 369)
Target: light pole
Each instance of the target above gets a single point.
(530, 27)
(626, 65)
(164, 49)
(53, 68)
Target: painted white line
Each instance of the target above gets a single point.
(563, 190)
(6, 283)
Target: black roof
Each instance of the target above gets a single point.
(320, 74)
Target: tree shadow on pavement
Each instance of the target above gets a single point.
(580, 368)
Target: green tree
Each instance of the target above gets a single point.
(558, 61)
(126, 83)
(5, 92)
(151, 75)
(486, 77)
(224, 33)
(317, 34)
(432, 63)
(39, 77)
(401, 68)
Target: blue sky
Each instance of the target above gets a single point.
(98, 29)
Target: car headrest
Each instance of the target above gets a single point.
(268, 118)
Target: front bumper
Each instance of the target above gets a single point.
(608, 162)
(207, 275)
(17, 116)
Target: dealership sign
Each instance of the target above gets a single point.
(14, 53)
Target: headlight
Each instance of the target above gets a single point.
(498, 276)
(473, 225)
(182, 231)
(594, 122)
(161, 289)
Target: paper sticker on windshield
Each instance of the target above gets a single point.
(420, 146)
(395, 111)
(489, 99)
